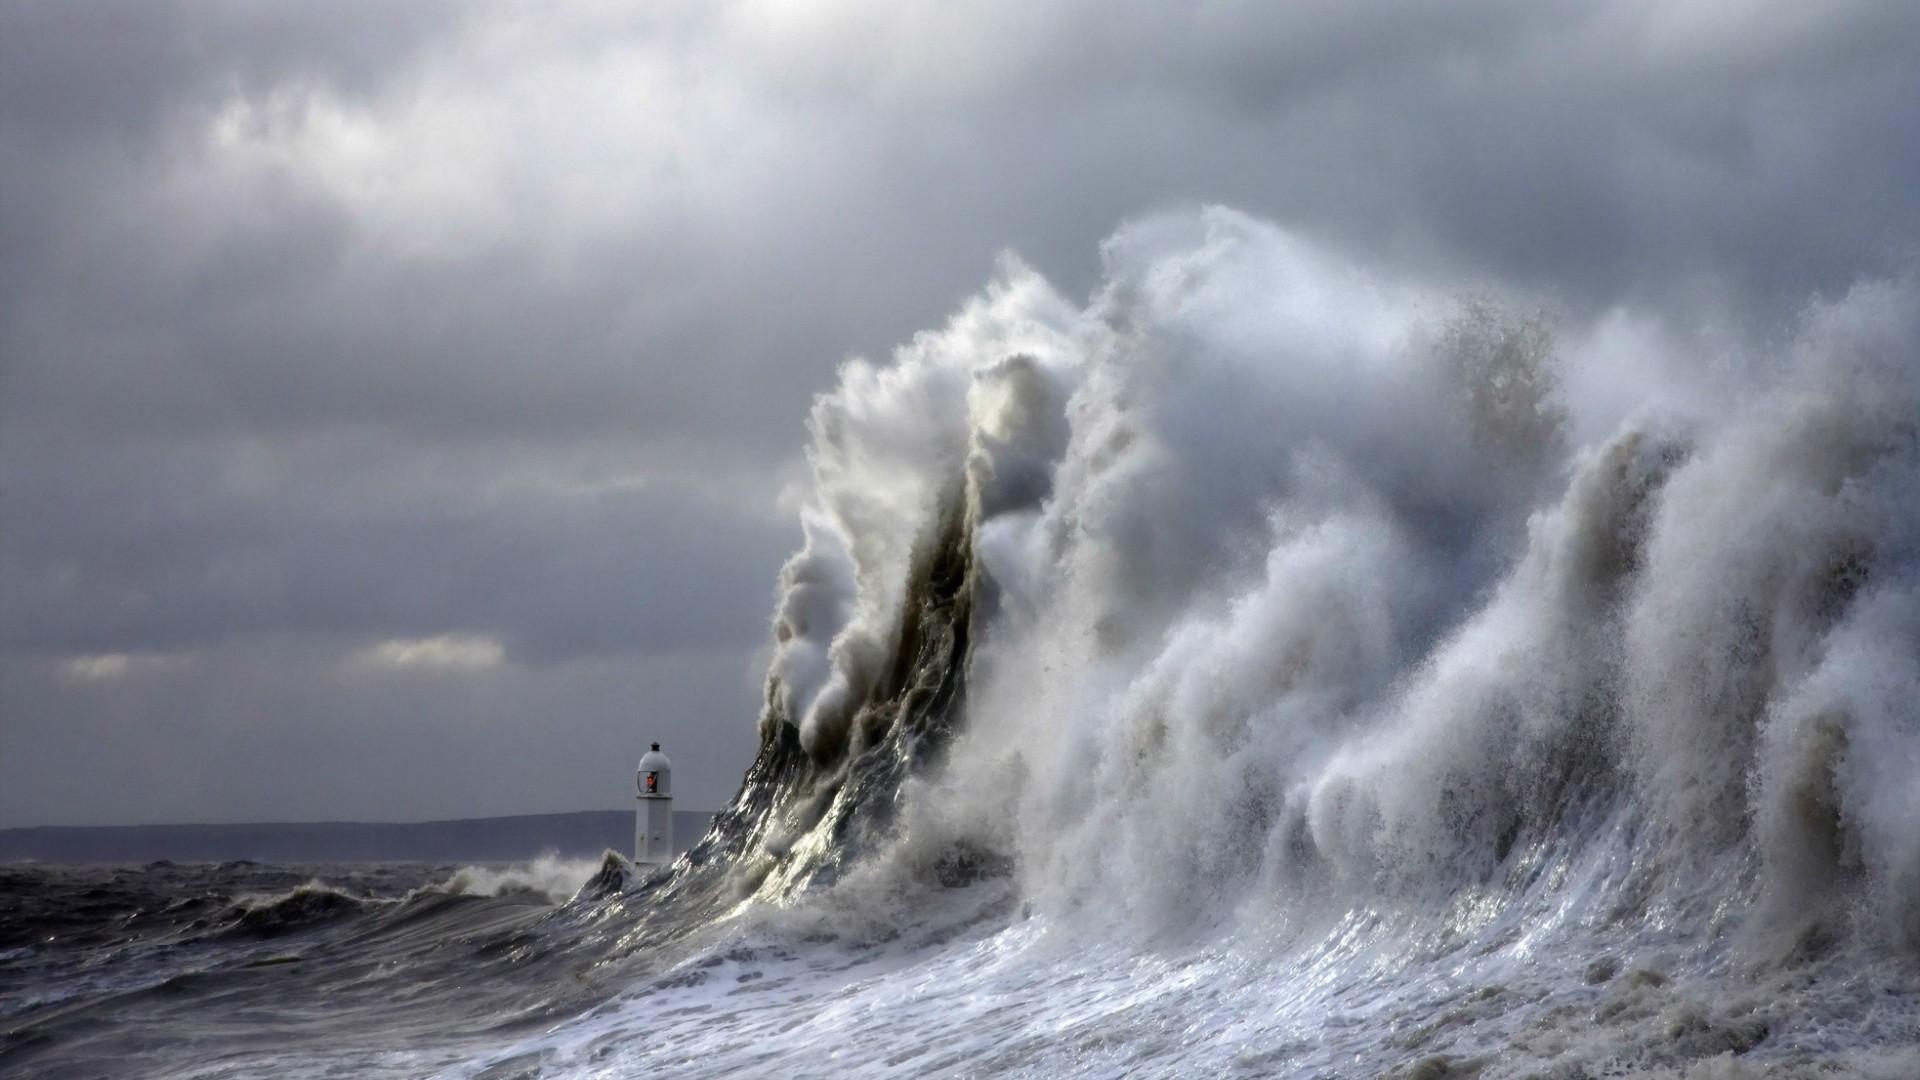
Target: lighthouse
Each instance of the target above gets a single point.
(653, 818)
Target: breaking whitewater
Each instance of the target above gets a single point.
(1267, 668)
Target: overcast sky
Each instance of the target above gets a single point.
(401, 404)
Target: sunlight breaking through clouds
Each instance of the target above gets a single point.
(448, 652)
(111, 667)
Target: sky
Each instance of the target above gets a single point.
(402, 406)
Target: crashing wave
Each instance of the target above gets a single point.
(548, 877)
(1261, 580)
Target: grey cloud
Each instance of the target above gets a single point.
(74, 70)
(269, 730)
(1555, 145)
(330, 324)
(165, 553)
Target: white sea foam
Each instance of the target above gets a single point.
(549, 876)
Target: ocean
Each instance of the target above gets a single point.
(1259, 669)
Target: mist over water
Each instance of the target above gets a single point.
(1272, 667)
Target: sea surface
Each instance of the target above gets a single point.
(547, 969)
(246, 969)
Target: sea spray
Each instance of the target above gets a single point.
(547, 876)
(1291, 580)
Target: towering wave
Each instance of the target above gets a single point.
(1260, 584)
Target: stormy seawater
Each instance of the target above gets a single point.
(1263, 668)
(242, 968)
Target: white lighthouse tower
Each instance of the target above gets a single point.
(653, 819)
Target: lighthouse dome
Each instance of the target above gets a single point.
(655, 774)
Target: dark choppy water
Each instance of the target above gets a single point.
(248, 969)
(244, 970)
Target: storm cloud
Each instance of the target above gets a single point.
(433, 376)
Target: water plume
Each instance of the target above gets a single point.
(1287, 580)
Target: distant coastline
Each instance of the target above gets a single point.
(585, 834)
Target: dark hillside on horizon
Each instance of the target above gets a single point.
(502, 839)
